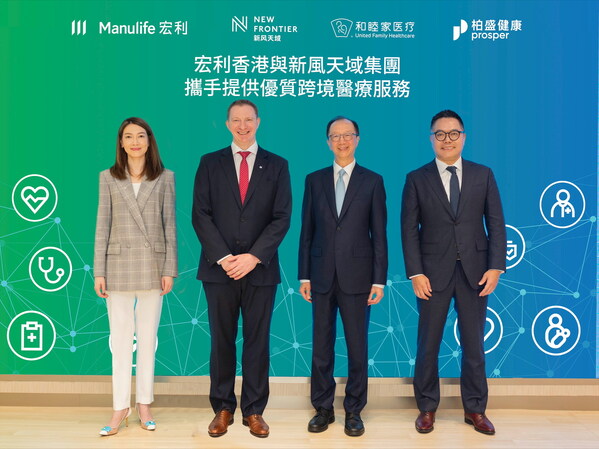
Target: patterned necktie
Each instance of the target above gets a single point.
(454, 189)
(244, 174)
(340, 191)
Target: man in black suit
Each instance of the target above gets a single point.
(342, 266)
(241, 212)
(446, 206)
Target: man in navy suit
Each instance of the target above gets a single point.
(241, 212)
(342, 266)
(447, 204)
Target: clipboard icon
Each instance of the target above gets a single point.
(32, 336)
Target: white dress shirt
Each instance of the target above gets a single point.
(446, 174)
(251, 158)
(349, 168)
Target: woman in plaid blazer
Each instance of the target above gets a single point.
(135, 261)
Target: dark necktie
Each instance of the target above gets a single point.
(244, 174)
(454, 189)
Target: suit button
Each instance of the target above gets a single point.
(147, 245)
(338, 228)
(237, 242)
(242, 220)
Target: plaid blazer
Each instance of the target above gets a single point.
(136, 238)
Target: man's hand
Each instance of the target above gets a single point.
(226, 263)
(306, 291)
(490, 279)
(422, 287)
(376, 294)
(240, 265)
(100, 286)
(167, 285)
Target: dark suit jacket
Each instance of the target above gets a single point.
(432, 236)
(354, 245)
(224, 226)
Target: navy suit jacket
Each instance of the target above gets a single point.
(432, 236)
(225, 226)
(353, 244)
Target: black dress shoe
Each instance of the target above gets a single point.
(321, 420)
(354, 426)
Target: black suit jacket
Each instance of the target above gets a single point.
(224, 226)
(353, 244)
(432, 236)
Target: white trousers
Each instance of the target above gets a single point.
(128, 317)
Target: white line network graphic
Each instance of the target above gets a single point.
(554, 271)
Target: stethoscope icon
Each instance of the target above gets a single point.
(59, 273)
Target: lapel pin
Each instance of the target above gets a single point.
(260, 167)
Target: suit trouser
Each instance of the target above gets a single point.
(472, 312)
(128, 317)
(355, 315)
(225, 303)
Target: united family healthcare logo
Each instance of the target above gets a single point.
(341, 27)
(369, 29)
(488, 29)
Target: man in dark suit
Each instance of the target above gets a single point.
(241, 212)
(446, 206)
(342, 266)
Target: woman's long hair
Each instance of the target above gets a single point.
(153, 166)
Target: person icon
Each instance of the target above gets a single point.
(566, 207)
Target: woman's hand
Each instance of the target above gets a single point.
(167, 285)
(100, 286)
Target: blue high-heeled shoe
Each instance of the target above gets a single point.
(108, 431)
(146, 425)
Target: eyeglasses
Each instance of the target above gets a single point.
(454, 134)
(347, 137)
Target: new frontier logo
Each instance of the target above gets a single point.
(239, 24)
(460, 29)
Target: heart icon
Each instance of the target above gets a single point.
(35, 197)
(488, 334)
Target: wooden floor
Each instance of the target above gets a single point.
(77, 427)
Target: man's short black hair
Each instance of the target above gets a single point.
(341, 117)
(447, 113)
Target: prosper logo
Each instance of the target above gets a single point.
(460, 29)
